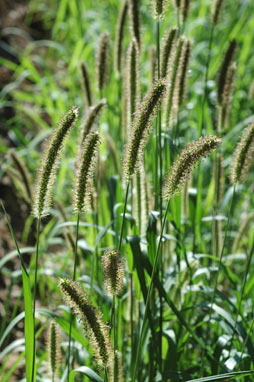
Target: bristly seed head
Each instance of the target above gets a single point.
(141, 127)
(159, 8)
(90, 318)
(225, 67)
(168, 47)
(119, 36)
(133, 7)
(85, 168)
(243, 156)
(216, 10)
(91, 118)
(47, 172)
(103, 61)
(113, 270)
(54, 348)
(182, 168)
(86, 84)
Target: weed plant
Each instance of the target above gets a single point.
(135, 258)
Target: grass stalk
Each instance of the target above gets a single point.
(156, 260)
(73, 278)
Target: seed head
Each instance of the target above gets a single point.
(119, 366)
(141, 127)
(91, 118)
(86, 84)
(225, 67)
(119, 35)
(216, 10)
(181, 78)
(182, 168)
(112, 265)
(102, 61)
(85, 169)
(133, 6)
(47, 172)
(184, 9)
(168, 48)
(132, 81)
(159, 8)
(54, 348)
(96, 331)
(243, 156)
(226, 103)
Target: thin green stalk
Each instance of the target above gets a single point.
(220, 263)
(94, 256)
(156, 260)
(73, 278)
(242, 293)
(35, 287)
(115, 336)
(123, 220)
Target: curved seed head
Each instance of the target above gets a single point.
(47, 171)
(96, 331)
(167, 50)
(225, 67)
(86, 84)
(113, 270)
(243, 156)
(216, 10)
(181, 169)
(119, 36)
(91, 118)
(141, 127)
(133, 7)
(85, 169)
(102, 61)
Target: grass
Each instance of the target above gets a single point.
(186, 310)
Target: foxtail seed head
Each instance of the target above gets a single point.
(181, 77)
(226, 102)
(168, 47)
(159, 8)
(133, 6)
(141, 127)
(119, 35)
(96, 331)
(91, 118)
(112, 265)
(53, 348)
(184, 9)
(86, 84)
(118, 366)
(225, 66)
(102, 61)
(182, 168)
(216, 10)
(47, 172)
(132, 81)
(84, 177)
(243, 156)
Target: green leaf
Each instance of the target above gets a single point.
(86, 371)
(221, 377)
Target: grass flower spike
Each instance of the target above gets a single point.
(47, 172)
(86, 84)
(84, 177)
(91, 117)
(225, 67)
(216, 10)
(90, 318)
(102, 61)
(182, 168)
(133, 6)
(53, 348)
(112, 265)
(159, 8)
(243, 156)
(168, 47)
(119, 36)
(141, 127)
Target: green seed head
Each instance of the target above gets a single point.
(86, 84)
(243, 156)
(47, 172)
(216, 10)
(85, 169)
(91, 118)
(168, 48)
(54, 348)
(90, 318)
(103, 61)
(113, 272)
(133, 7)
(159, 8)
(181, 169)
(224, 69)
(141, 127)
(119, 36)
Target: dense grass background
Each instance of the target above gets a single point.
(42, 47)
